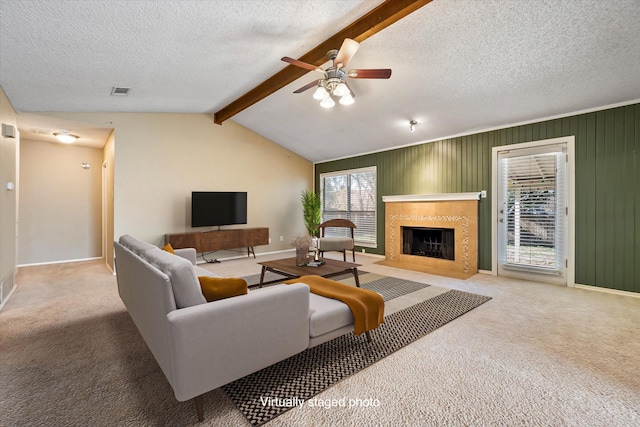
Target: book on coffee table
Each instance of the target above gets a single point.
(315, 263)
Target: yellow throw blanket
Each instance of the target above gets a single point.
(366, 306)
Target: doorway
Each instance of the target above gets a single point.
(533, 211)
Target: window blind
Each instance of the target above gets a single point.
(534, 189)
(351, 195)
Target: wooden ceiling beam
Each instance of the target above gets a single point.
(379, 18)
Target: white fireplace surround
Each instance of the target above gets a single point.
(432, 197)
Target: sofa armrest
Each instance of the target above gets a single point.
(219, 342)
(187, 253)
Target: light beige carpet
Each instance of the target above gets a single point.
(535, 355)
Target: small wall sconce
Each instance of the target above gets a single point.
(412, 124)
(86, 166)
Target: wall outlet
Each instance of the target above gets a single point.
(483, 194)
(363, 250)
(282, 238)
(269, 240)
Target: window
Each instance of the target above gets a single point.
(351, 195)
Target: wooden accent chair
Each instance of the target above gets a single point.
(337, 243)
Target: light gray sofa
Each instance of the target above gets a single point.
(202, 345)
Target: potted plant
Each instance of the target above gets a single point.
(311, 211)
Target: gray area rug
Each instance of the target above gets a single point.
(293, 382)
(392, 287)
(388, 287)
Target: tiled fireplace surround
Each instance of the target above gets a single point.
(450, 210)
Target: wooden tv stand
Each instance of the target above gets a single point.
(210, 241)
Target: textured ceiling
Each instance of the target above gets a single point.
(458, 65)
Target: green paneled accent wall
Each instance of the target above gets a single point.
(607, 199)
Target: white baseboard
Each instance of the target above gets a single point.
(59, 262)
(607, 290)
(4, 301)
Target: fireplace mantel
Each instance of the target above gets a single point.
(432, 197)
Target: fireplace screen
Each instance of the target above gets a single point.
(429, 242)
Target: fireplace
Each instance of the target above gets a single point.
(433, 233)
(429, 242)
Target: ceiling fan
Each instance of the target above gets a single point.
(334, 82)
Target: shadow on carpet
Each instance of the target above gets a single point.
(274, 390)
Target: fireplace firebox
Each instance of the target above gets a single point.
(429, 242)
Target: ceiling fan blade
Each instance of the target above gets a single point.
(302, 64)
(347, 50)
(382, 73)
(307, 86)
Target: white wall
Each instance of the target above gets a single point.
(160, 158)
(60, 203)
(9, 151)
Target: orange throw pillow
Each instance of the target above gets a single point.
(168, 248)
(216, 288)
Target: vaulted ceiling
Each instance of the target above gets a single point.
(459, 66)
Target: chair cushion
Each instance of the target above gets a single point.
(335, 243)
(327, 314)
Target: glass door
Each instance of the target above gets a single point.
(532, 213)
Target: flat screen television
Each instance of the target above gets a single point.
(215, 208)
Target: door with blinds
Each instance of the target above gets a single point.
(532, 212)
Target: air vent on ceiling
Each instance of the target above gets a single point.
(120, 91)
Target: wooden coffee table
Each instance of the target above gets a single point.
(287, 267)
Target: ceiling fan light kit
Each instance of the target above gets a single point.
(347, 100)
(333, 83)
(320, 93)
(328, 102)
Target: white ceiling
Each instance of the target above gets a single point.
(459, 66)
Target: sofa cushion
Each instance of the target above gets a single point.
(186, 288)
(216, 288)
(327, 314)
(204, 272)
(136, 246)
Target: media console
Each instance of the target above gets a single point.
(210, 241)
